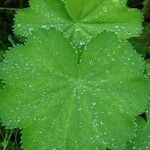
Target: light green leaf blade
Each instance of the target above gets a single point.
(79, 9)
(140, 125)
(80, 20)
(142, 138)
(65, 105)
(148, 67)
(42, 14)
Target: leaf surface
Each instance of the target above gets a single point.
(65, 105)
(80, 20)
(142, 138)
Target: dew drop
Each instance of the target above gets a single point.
(104, 9)
(19, 25)
(94, 103)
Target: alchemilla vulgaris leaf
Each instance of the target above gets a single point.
(142, 137)
(61, 104)
(142, 140)
(80, 20)
(148, 67)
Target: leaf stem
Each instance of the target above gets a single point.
(10, 9)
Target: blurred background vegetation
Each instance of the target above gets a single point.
(10, 139)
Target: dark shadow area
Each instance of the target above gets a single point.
(9, 139)
(135, 4)
(7, 12)
(143, 115)
(108, 149)
(14, 3)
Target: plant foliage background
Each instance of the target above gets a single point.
(10, 139)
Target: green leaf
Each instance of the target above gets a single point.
(140, 126)
(148, 67)
(61, 104)
(80, 20)
(42, 14)
(142, 138)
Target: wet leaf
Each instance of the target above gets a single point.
(61, 104)
(148, 67)
(80, 20)
(142, 138)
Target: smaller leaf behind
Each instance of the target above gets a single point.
(142, 137)
(80, 20)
